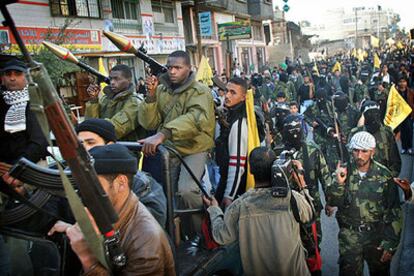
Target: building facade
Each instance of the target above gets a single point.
(155, 24)
(248, 54)
(351, 23)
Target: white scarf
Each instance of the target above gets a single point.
(15, 120)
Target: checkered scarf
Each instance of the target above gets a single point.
(15, 120)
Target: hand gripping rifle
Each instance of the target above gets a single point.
(125, 45)
(44, 98)
(66, 55)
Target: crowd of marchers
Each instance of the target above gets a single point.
(320, 129)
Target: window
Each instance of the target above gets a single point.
(257, 32)
(165, 8)
(81, 8)
(124, 9)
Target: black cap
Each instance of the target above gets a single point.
(14, 64)
(101, 127)
(113, 159)
(281, 94)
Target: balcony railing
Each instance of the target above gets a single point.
(126, 25)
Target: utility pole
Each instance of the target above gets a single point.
(378, 23)
(198, 33)
(356, 27)
(291, 46)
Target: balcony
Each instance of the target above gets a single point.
(126, 25)
(260, 9)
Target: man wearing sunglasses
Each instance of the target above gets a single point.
(369, 213)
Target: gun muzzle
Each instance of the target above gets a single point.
(121, 42)
(61, 52)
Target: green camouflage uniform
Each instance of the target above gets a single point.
(288, 88)
(360, 92)
(386, 149)
(121, 110)
(347, 120)
(266, 91)
(315, 170)
(369, 216)
(321, 138)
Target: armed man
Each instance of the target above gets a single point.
(182, 111)
(144, 242)
(118, 104)
(320, 117)
(387, 151)
(369, 214)
(315, 169)
(263, 220)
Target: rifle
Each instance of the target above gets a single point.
(125, 45)
(324, 127)
(66, 55)
(338, 136)
(46, 102)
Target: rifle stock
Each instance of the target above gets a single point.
(42, 90)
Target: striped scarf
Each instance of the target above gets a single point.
(15, 120)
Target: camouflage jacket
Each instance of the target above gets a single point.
(360, 92)
(120, 109)
(348, 120)
(386, 150)
(288, 88)
(316, 170)
(372, 199)
(325, 115)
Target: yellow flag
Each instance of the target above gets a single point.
(102, 70)
(204, 72)
(315, 69)
(390, 41)
(354, 53)
(253, 140)
(377, 61)
(397, 109)
(400, 45)
(360, 55)
(374, 42)
(337, 67)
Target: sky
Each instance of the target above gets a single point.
(310, 10)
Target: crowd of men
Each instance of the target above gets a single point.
(321, 130)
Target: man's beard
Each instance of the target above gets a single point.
(361, 163)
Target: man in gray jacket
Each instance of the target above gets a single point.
(264, 223)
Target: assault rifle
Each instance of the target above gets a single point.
(125, 45)
(65, 54)
(47, 105)
(338, 136)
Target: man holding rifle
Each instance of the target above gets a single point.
(119, 104)
(182, 111)
(142, 239)
(369, 213)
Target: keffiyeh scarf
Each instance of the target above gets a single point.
(15, 120)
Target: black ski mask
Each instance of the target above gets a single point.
(292, 132)
(321, 95)
(340, 101)
(278, 114)
(372, 115)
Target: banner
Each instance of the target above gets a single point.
(204, 19)
(235, 30)
(374, 42)
(397, 109)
